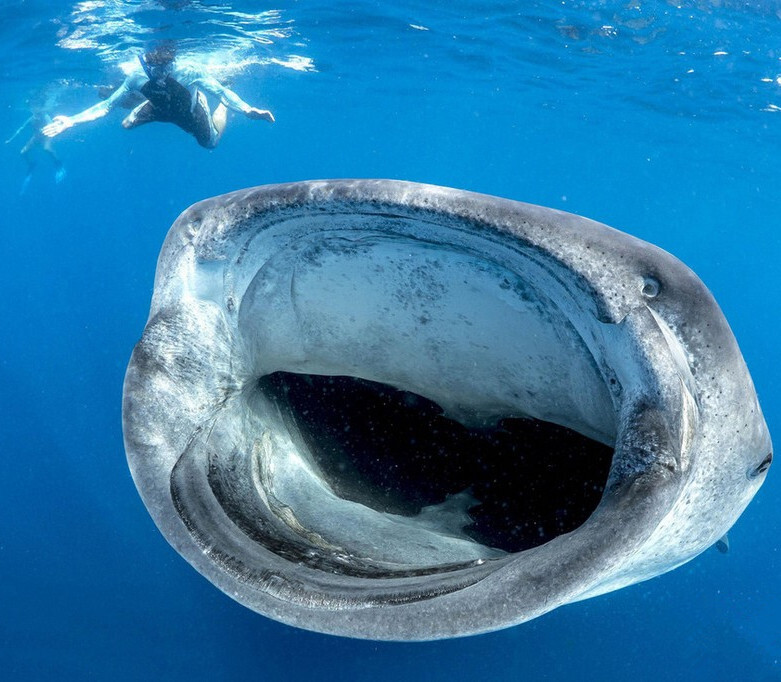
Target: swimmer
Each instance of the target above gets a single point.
(35, 144)
(172, 93)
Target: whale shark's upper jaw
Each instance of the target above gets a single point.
(397, 411)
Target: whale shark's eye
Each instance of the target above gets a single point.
(651, 287)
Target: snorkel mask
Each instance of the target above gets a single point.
(157, 62)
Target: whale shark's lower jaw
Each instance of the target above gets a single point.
(397, 411)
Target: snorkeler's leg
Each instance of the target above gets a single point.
(143, 113)
(220, 119)
(28, 147)
(59, 168)
(28, 156)
(208, 127)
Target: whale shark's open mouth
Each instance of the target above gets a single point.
(412, 404)
(354, 397)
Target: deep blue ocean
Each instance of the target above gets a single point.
(662, 119)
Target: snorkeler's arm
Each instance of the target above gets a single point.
(21, 128)
(231, 99)
(60, 123)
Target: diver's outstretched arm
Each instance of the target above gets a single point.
(232, 100)
(60, 123)
(21, 128)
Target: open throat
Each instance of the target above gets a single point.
(391, 460)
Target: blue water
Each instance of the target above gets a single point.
(661, 119)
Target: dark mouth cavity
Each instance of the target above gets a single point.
(395, 452)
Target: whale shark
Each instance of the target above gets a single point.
(396, 411)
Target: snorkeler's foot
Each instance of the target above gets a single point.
(59, 174)
(25, 183)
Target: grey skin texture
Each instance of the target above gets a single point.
(489, 307)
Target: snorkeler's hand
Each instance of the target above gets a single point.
(260, 114)
(58, 124)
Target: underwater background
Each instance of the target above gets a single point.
(662, 119)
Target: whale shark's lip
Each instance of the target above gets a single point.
(491, 310)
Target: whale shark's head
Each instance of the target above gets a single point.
(397, 411)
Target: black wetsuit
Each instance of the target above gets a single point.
(170, 102)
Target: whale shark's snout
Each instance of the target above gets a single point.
(389, 410)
